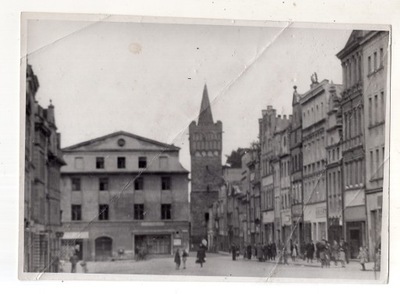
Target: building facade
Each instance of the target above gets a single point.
(43, 160)
(296, 178)
(374, 79)
(334, 168)
(123, 194)
(352, 105)
(314, 104)
(267, 124)
(205, 138)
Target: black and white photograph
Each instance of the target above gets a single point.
(203, 148)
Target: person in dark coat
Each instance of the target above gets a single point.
(273, 250)
(249, 251)
(310, 251)
(233, 250)
(177, 259)
(346, 250)
(201, 255)
(259, 252)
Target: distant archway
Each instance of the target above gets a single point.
(103, 248)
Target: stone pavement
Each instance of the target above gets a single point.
(222, 265)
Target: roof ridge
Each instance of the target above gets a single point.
(119, 133)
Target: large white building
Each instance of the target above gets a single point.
(121, 193)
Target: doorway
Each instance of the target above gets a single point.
(103, 248)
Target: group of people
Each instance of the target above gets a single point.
(262, 252)
(322, 251)
(181, 257)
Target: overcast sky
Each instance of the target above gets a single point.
(148, 79)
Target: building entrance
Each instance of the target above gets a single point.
(103, 248)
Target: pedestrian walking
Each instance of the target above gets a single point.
(310, 251)
(273, 250)
(184, 258)
(259, 252)
(233, 251)
(249, 251)
(341, 254)
(346, 250)
(335, 252)
(201, 255)
(177, 259)
(74, 260)
(285, 255)
(363, 257)
(294, 252)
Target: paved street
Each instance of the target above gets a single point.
(222, 265)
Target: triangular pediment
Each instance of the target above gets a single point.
(121, 141)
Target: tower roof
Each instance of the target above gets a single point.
(205, 116)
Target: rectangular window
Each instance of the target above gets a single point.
(371, 164)
(121, 162)
(376, 115)
(76, 212)
(103, 212)
(375, 61)
(165, 183)
(383, 106)
(165, 211)
(377, 159)
(103, 184)
(79, 163)
(381, 57)
(138, 211)
(383, 161)
(139, 184)
(371, 121)
(76, 184)
(369, 64)
(142, 162)
(163, 162)
(99, 162)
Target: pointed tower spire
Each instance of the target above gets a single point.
(205, 116)
(296, 97)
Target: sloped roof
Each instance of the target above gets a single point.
(165, 146)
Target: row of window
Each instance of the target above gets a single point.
(334, 155)
(352, 70)
(314, 190)
(139, 212)
(353, 122)
(100, 162)
(314, 167)
(314, 149)
(376, 161)
(334, 183)
(138, 184)
(375, 62)
(354, 173)
(376, 109)
(311, 114)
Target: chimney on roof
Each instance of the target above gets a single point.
(269, 107)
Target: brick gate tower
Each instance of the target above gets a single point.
(205, 139)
